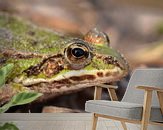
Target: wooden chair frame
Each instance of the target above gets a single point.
(146, 106)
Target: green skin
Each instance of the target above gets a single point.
(42, 60)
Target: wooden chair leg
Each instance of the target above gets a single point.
(114, 97)
(112, 94)
(94, 122)
(97, 93)
(97, 96)
(124, 125)
(160, 98)
(146, 109)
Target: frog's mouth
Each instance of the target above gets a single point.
(74, 80)
(80, 77)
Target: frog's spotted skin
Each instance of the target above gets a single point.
(51, 64)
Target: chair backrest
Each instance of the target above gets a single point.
(143, 77)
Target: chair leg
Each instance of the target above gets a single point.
(146, 109)
(114, 97)
(124, 125)
(112, 94)
(97, 93)
(160, 98)
(94, 121)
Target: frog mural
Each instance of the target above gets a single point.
(51, 64)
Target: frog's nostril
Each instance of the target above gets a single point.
(108, 60)
(112, 60)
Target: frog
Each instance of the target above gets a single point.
(49, 63)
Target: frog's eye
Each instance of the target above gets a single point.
(78, 53)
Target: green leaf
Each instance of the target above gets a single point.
(20, 99)
(5, 107)
(8, 126)
(24, 98)
(4, 72)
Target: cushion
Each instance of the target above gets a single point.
(125, 110)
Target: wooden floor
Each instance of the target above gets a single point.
(60, 121)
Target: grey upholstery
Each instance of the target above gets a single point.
(143, 77)
(131, 105)
(124, 110)
(115, 108)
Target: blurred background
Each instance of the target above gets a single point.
(135, 28)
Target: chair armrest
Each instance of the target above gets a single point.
(150, 88)
(107, 86)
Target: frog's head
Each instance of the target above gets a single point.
(94, 60)
(86, 61)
